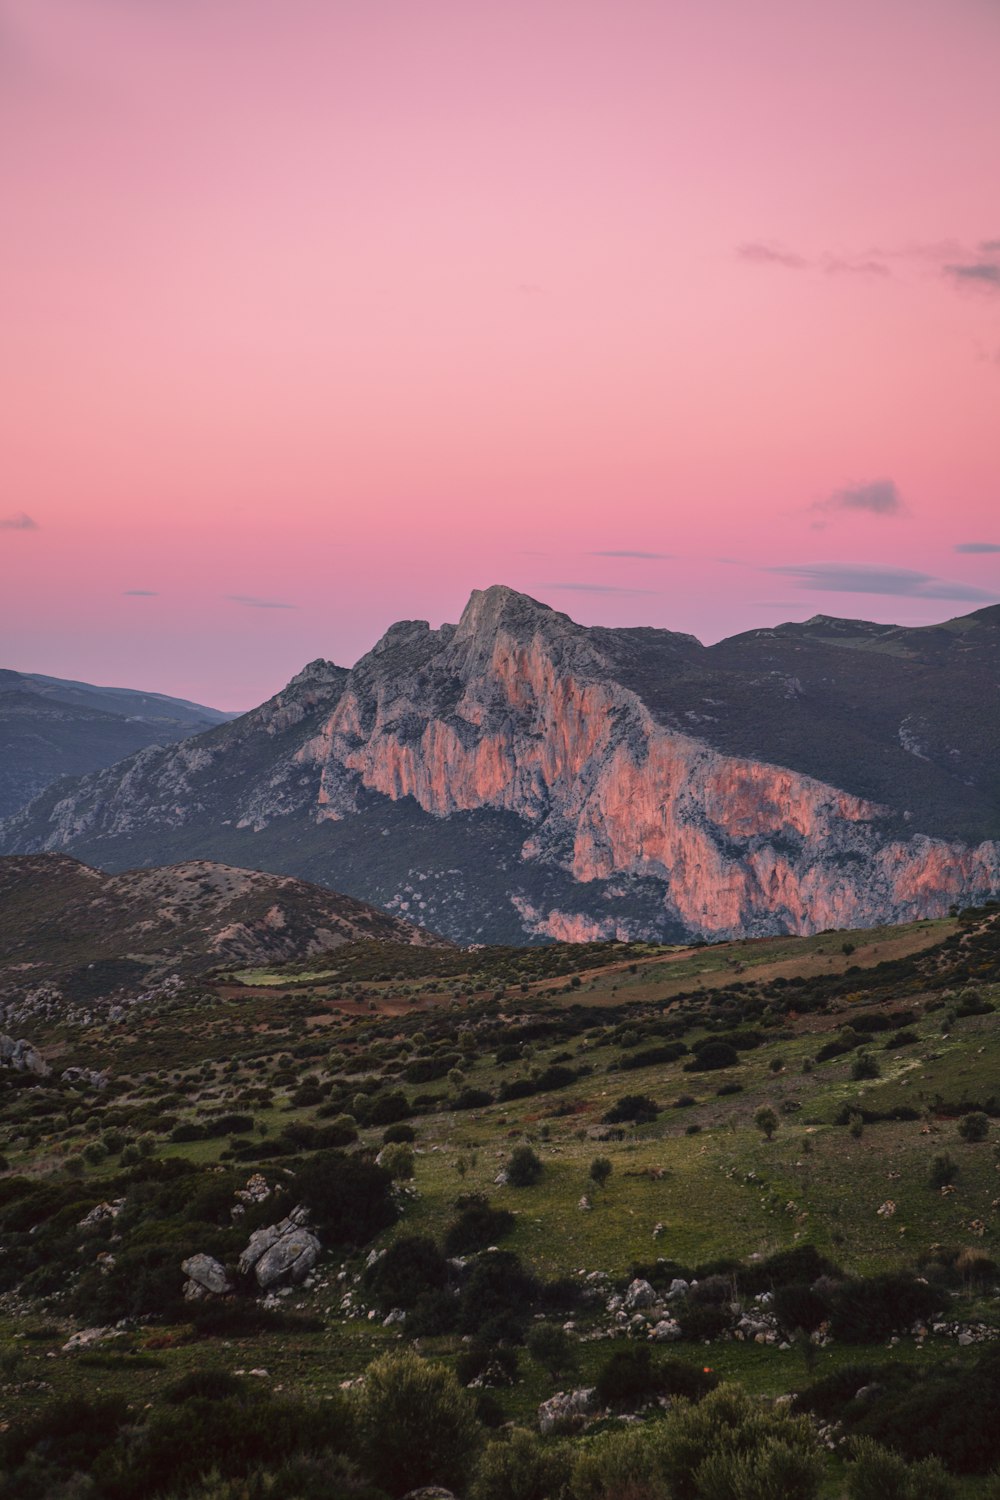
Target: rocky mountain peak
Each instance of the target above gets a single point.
(488, 610)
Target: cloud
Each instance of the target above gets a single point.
(880, 497)
(249, 602)
(865, 578)
(990, 247)
(140, 593)
(595, 588)
(834, 266)
(625, 553)
(19, 522)
(984, 273)
(771, 255)
(978, 547)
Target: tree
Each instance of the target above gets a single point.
(524, 1167)
(416, 1426)
(600, 1171)
(551, 1346)
(974, 1127)
(766, 1121)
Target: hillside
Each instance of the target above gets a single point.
(88, 933)
(843, 1239)
(518, 775)
(50, 728)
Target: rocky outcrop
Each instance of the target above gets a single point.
(22, 1057)
(617, 811)
(283, 1253)
(206, 1277)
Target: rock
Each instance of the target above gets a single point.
(22, 1057)
(206, 1272)
(678, 1288)
(584, 1203)
(89, 1336)
(429, 1492)
(666, 1331)
(565, 1408)
(640, 1294)
(501, 1179)
(283, 1252)
(100, 1213)
(397, 1315)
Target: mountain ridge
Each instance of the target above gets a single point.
(518, 774)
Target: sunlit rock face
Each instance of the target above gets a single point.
(607, 753)
(515, 710)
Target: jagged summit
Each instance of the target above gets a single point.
(521, 774)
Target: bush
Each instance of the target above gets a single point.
(731, 1446)
(551, 1347)
(618, 1465)
(478, 1226)
(943, 1170)
(522, 1467)
(410, 1268)
(397, 1159)
(499, 1294)
(711, 1057)
(524, 1167)
(349, 1198)
(865, 1066)
(974, 1127)
(876, 1473)
(799, 1306)
(632, 1377)
(638, 1108)
(766, 1120)
(415, 1424)
(867, 1309)
(399, 1134)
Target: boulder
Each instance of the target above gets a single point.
(206, 1273)
(640, 1294)
(566, 1408)
(283, 1252)
(23, 1057)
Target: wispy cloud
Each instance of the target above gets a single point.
(18, 522)
(983, 273)
(978, 547)
(626, 553)
(866, 578)
(771, 255)
(594, 588)
(879, 497)
(249, 601)
(140, 593)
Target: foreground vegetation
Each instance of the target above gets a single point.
(789, 1142)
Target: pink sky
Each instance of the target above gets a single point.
(350, 308)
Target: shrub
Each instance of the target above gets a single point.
(638, 1108)
(478, 1226)
(415, 1424)
(729, 1445)
(943, 1170)
(866, 1309)
(522, 1467)
(600, 1171)
(399, 1133)
(551, 1347)
(498, 1292)
(710, 1058)
(410, 1268)
(618, 1465)
(524, 1167)
(865, 1065)
(471, 1098)
(397, 1159)
(766, 1120)
(632, 1377)
(876, 1473)
(974, 1127)
(799, 1306)
(349, 1198)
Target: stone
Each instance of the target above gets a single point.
(666, 1331)
(640, 1294)
(565, 1408)
(283, 1252)
(206, 1272)
(22, 1057)
(678, 1288)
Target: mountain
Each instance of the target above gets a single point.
(520, 775)
(51, 728)
(90, 932)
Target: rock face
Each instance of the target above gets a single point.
(283, 1253)
(519, 775)
(22, 1057)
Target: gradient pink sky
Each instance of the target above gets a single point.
(317, 315)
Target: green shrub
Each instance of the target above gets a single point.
(411, 1267)
(522, 1467)
(730, 1445)
(974, 1127)
(524, 1167)
(415, 1425)
(478, 1226)
(876, 1473)
(349, 1198)
(637, 1108)
(711, 1057)
(618, 1465)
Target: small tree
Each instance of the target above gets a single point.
(766, 1121)
(600, 1171)
(865, 1066)
(974, 1127)
(397, 1159)
(524, 1167)
(551, 1346)
(416, 1426)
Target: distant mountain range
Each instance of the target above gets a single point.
(91, 933)
(51, 728)
(518, 776)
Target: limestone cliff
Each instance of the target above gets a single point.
(618, 819)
